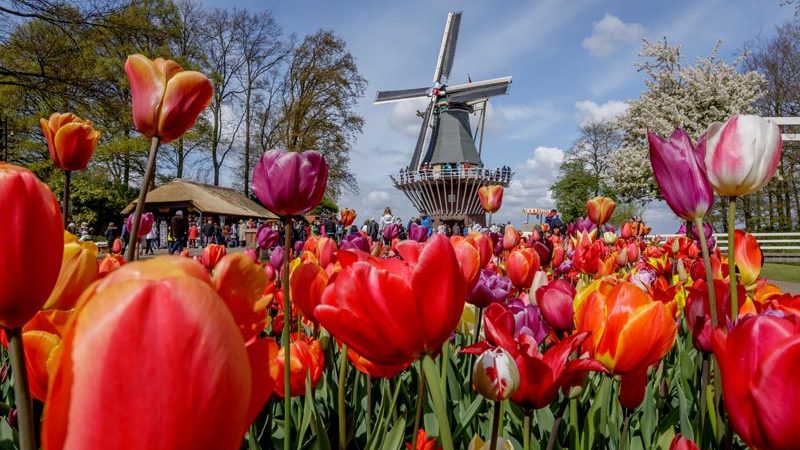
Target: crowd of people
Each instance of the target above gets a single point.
(430, 171)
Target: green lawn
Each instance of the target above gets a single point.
(782, 272)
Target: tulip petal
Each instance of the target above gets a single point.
(75, 143)
(148, 84)
(775, 395)
(240, 282)
(39, 345)
(646, 338)
(307, 283)
(261, 354)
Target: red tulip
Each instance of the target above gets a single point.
(116, 246)
(290, 183)
(681, 443)
(599, 209)
(521, 266)
(469, 260)
(145, 223)
(698, 310)
(34, 245)
(424, 442)
(555, 303)
(491, 198)
(166, 99)
(759, 360)
(306, 358)
(211, 255)
(70, 140)
(541, 375)
(189, 331)
(323, 248)
(630, 332)
(412, 308)
(589, 259)
(484, 245)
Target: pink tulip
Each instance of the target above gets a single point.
(290, 183)
(145, 224)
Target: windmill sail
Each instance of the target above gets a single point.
(400, 94)
(448, 49)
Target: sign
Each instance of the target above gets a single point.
(536, 211)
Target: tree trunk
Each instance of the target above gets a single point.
(247, 140)
(179, 159)
(215, 138)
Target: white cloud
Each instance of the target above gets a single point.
(531, 183)
(609, 34)
(589, 111)
(403, 117)
(376, 198)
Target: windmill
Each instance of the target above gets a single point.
(446, 169)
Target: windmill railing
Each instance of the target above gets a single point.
(500, 176)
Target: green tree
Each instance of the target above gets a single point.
(574, 185)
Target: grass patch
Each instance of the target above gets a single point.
(781, 272)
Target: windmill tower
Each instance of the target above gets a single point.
(446, 169)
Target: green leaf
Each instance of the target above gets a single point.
(394, 439)
(432, 379)
(466, 419)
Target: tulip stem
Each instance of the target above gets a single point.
(495, 426)
(478, 325)
(287, 324)
(342, 412)
(712, 298)
(703, 393)
(420, 397)
(732, 258)
(368, 383)
(22, 393)
(689, 233)
(551, 441)
(65, 199)
(623, 436)
(526, 431)
(137, 215)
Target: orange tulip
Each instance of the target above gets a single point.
(323, 248)
(41, 359)
(510, 237)
(109, 263)
(79, 269)
(34, 244)
(306, 356)
(484, 245)
(630, 332)
(469, 260)
(172, 302)
(491, 197)
(166, 99)
(347, 216)
(372, 369)
(240, 282)
(307, 283)
(521, 266)
(749, 258)
(70, 140)
(599, 209)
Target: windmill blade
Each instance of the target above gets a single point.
(421, 138)
(399, 95)
(463, 93)
(448, 49)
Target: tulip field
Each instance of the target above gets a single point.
(600, 338)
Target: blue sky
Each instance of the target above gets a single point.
(570, 60)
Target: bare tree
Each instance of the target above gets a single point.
(259, 41)
(598, 139)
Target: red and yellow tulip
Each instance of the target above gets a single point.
(491, 198)
(70, 140)
(599, 209)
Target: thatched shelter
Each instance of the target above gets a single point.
(201, 199)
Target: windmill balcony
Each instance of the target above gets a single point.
(450, 193)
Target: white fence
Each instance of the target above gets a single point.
(776, 247)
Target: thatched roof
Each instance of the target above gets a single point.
(203, 198)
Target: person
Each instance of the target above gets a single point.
(112, 233)
(372, 229)
(339, 230)
(208, 231)
(402, 234)
(425, 221)
(178, 230)
(386, 219)
(456, 229)
(330, 228)
(234, 235)
(193, 233)
(242, 234)
(148, 239)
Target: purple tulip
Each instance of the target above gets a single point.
(266, 237)
(418, 233)
(498, 246)
(276, 258)
(544, 249)
(290, 183)
(564, 267)
(528, 320)
(681, 174)
(355, 241)
(298, 247)
(580, 224)
(490, 288)
(709, 232)
(644, 279)
(390, 231)
(145, 224)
